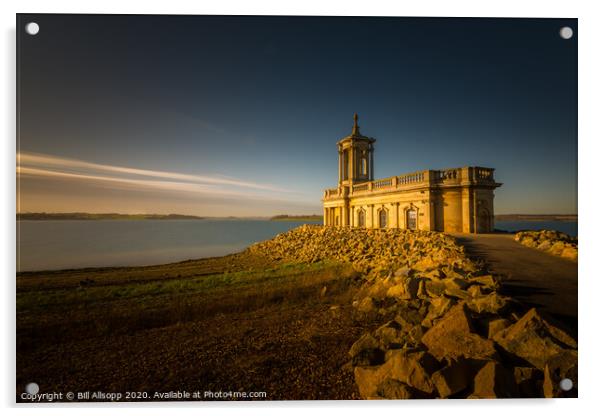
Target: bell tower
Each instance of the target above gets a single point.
(356, 157)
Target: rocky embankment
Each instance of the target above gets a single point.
(553, 242)
(447, 332)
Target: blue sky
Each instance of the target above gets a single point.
(240, 115)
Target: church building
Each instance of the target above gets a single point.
(450, 200)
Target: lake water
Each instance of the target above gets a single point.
(568, 227)
(51, 245)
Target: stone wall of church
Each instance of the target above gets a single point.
(391, 211)
(448, 209)
(451, 210)
(394, 210)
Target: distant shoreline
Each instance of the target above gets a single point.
(86, 216)
(296, 218)
(66, 216)
(536, 217)
(43, 216)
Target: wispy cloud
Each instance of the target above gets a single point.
(59, 168)
(40, 160)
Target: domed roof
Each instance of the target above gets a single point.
(355, 132)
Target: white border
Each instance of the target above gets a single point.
(590, 136)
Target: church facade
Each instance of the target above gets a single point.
(450, 200)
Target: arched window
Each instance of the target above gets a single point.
(361, 218)
(382, 218)
(411, 219)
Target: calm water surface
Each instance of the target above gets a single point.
(50, 245)
(568, 227)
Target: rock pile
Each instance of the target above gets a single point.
(447, 331)
(463, 354)
(553, 242)
(371, 251)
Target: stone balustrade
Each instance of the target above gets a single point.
(382, 183)
(484, 174)
(412, 178)
(331, 193)
(427, 178)
(361, 187)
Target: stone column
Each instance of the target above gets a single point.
(340, 163)
(475, 211)
(467, 208)
(402, 215)
(347, 215)
(431, 205)
(371, 162)
(491, 215)
(349, 166)
(324, 219)
(393, 215)
(426, 209)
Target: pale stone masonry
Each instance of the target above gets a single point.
(450, 200)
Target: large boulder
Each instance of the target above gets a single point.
(392, 334)
(488, 281)
(492, 303)
(496, 325)
(366, 352)
(534, 339)
(398, 291)
(379, 289)
(453, 378)
(435, 288)
(493, 381)
(412, 312)
(407, 288)
(367, 380)
(412, 368)
(397, 390)
(404, 374)
(453, 337)
(365, 342)
(439, 306)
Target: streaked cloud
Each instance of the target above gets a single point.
(33, 165)
(40, 160)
